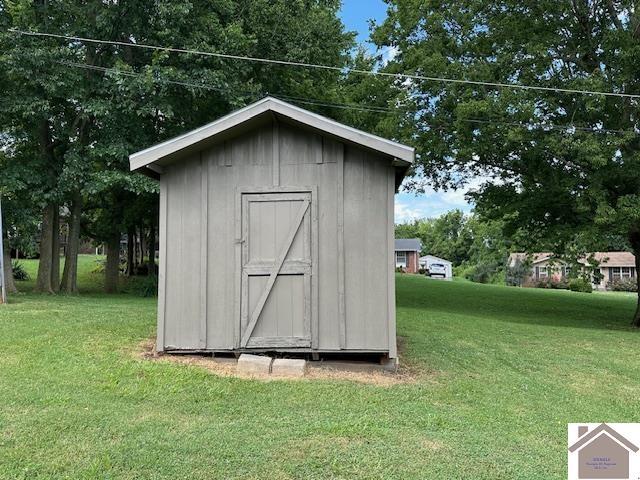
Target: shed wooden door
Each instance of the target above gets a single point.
(276, 267)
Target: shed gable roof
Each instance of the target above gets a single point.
(402, 154)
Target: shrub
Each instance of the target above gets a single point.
(422, 271)
(516, 275)
(499, 278)
(400, 270)
(484, 273)
(624, 285)
(19, 272)
(580, 285)
(144, 286)
(552, 284)
(101, 263)
(463, 271)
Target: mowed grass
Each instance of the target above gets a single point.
(499, 374)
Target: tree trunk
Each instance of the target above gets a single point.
(70, 275)
(112, 268)
(143, 246)
(43, 282)
(152, 248)
(635, 245)
(55, 250)
(8, 270)
(130, 252)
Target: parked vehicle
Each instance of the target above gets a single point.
(436, 267)
(437, 270)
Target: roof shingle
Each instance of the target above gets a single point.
(408, 245)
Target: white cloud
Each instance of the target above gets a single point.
(434, 203)
(404, 213)
(389, 53)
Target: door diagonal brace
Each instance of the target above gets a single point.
(274, 273)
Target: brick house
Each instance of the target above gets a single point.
(407, 252)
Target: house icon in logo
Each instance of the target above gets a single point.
(602, 453)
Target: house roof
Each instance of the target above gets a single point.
(408, 245)
(238, 121)
(535, 257)
(604, 259)
(615, 259)
(433, 256)
(596, 432)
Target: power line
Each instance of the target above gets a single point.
(549, 126)
(345, 106)
(219, 89)
(330, 67)
(87, 66)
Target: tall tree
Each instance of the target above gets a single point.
(90, 105)
(556, 163)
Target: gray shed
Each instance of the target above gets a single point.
(276, 234)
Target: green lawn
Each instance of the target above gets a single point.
(500, 373)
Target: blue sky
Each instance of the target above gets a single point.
(356, 15)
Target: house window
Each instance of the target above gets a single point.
(401, 259)
(542, 272)
(616, 274)
(626, 272)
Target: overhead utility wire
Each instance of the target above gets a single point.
(549, 126)
(330, 67)
(219, 89)
(347, 106)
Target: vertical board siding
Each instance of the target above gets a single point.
(162, 262)
(275, 153)
(182, 295)
(354, 232)
(391, 265)
(243, 161)
(365, 244)
(375, 251)
(300, 166)
(204, 248)
(220, 250)
(352, 274)
(329, 246)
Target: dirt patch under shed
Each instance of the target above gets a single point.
(361, 372)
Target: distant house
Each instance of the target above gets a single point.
(612, 266)
(431, 263)
(407, 253)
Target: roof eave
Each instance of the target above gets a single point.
(403, 156)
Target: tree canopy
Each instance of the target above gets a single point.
(74, 110)
(555, 164)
